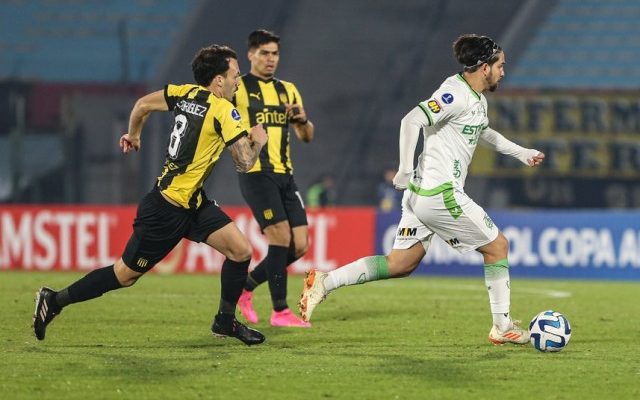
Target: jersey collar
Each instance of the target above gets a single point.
(469, 86)
(249, 74)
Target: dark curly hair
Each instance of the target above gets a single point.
(474, 50)
(211, 61)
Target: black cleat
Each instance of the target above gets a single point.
(46, 310)
(233, 328)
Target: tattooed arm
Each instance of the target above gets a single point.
(245, 151)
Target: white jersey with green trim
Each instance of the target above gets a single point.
(456, 116)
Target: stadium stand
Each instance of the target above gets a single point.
(358, 76)
(56, 52)
(94, 41)
(597, 38)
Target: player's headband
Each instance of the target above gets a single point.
(490, 48)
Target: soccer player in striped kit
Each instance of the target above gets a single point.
(205, 123)
(269, 187)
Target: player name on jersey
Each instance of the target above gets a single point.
(192, 108)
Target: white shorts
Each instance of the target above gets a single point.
(422, 216)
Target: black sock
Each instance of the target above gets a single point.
(256, 277)
(232, 278)
(291, 257)
(277, 275)
(225, 318)
(259, 274)
(92, 285)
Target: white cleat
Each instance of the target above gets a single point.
(313, 293)
(515, 334)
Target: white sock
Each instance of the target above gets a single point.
(496, 277)
(360, 271)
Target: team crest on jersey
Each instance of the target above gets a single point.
(488, 221)
(142, 262)
(235, 114)
(284, 98)
(268, 214)
(434, 106)
(447, 98)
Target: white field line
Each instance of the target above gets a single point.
(556, 294)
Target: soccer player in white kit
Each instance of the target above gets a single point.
(453, 121)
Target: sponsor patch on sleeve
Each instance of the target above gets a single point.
(235, 114)
(434, 106)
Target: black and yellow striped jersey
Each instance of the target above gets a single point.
(204, 125)
(262, 101)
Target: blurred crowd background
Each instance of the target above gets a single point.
(71, 70)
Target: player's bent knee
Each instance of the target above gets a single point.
(240, 252)
(502, 244)
(399, 268)
(402, 262)
(279, 234)
(128, 283)
(301, 250)
(404, 271)
(498, 249)
(125, 275)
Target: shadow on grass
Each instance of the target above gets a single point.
(448, 373)
(156, 362)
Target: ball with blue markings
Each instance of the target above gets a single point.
(550, 331)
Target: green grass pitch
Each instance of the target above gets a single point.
(412, 338)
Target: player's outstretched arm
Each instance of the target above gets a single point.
(495, 141)
(144, 106)
(245, 151)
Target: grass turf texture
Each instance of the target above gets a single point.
(419, 337)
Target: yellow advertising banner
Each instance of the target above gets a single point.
(583, 134)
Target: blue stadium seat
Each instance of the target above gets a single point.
(583, 44)
(72, 41)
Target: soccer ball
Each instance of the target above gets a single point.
(550, 331)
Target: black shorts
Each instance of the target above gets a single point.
(159, 226)
(273, 198)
